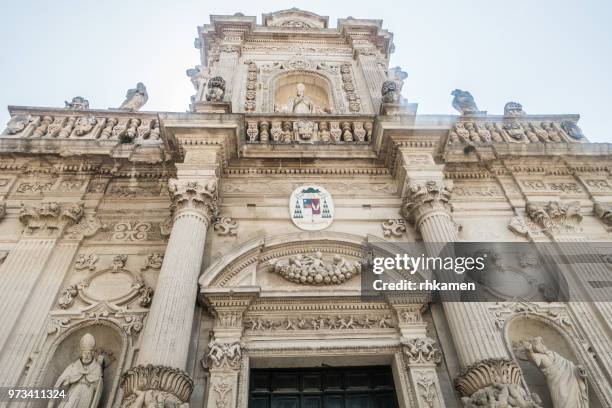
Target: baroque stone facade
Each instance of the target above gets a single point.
(155, 251)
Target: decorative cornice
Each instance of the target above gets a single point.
(160, 383)
(194, 195)
(424, 197)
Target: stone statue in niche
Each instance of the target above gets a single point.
(83, 378)
(135, 98)
(301, 103)
(566, 381)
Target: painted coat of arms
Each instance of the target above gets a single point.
(311, 208)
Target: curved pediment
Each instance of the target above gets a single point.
(300, 264)
(274, 262)
(294, 18)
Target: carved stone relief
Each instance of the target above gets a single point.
(114, 285)
(50, 218)
(320, 322)
(314, 270)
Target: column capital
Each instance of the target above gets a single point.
(493, 380)
(201, 196)
(145, 385)
(423, 197)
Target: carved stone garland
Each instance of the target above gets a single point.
(314, 270)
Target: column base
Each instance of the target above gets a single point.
(143, 385)
(493, 381)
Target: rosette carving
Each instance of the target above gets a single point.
(194, 195)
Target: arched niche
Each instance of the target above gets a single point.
(317, 89)
(65, 350)
(524, 327)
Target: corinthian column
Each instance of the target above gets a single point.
(479, 346)
(167, 333)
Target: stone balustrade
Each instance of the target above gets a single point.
(123, 127)
(514, 130)
(329, 129)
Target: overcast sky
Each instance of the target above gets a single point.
(553, 56)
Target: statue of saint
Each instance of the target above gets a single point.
(566, 381)
(82, 379)
(301, 103)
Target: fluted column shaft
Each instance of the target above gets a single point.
(167, 332)
(427, 206)
(373, 74)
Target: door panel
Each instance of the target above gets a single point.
(326, 387)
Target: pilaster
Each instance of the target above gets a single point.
(225, 358)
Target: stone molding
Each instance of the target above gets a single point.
(425, 197)
(49, 219)
(196, 196)
(159, 383)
